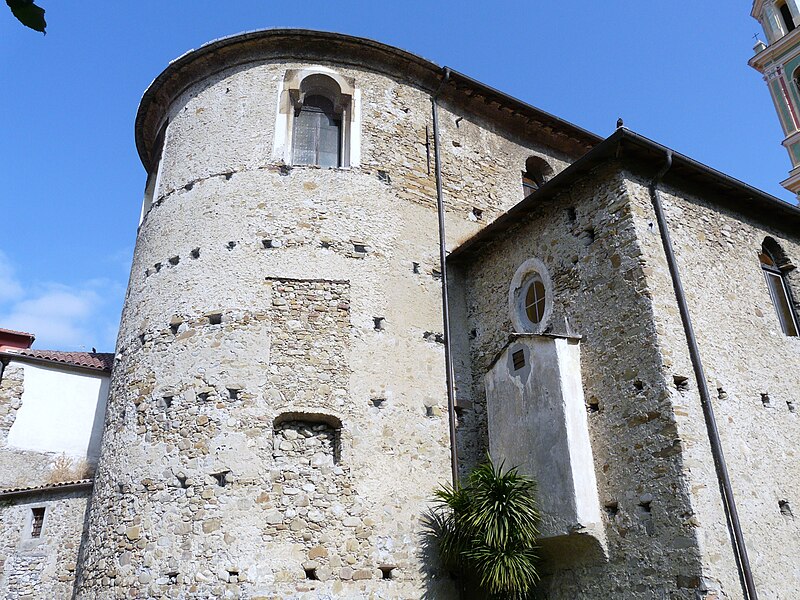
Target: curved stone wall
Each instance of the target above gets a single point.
(277, 416)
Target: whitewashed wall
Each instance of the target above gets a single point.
(62, 411)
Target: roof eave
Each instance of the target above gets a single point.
(7, 355)
(737, 193)
(197, 64)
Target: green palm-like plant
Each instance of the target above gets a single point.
(487, 528)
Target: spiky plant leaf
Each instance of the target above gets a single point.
(487, 528)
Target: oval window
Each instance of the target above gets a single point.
(530, 297)
(535, 298)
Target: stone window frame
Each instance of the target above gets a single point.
(779, 268)
(525, 276)
(28, 541)
(318, 80)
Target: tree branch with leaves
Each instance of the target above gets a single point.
(28, 14)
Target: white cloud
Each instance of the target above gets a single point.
(10, 287)
(62, 317)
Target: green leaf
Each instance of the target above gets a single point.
(487, 529)
(28, 14)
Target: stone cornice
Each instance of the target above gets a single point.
(759, 61)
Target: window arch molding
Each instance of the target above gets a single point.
(301, 90)
(775, 265)
(530, 297)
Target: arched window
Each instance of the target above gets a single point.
(536, 173)
(317, 133)
(786, 15)
(316, 123)
(773, 264)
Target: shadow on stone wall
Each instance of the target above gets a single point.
(82, 548)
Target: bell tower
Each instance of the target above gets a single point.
(778, 60)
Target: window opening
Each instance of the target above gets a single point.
(788, 20)
(536, 173)
(779, 292)
(528, 185)
(530, 297)
(535, 300)
(317, 133)
(518, 359)
(37, 521)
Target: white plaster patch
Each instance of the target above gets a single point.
(62, 411)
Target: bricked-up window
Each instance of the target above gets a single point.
(37, 521)
(317, 133)
(778, 290)
(308, 438)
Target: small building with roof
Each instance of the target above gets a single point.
(52, 407)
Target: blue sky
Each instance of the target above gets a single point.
(72, 186)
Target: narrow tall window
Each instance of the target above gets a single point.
(37, 521)
(778, 291)
(788, 20)
(317, 133)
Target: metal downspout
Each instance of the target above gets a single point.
(448, 359)
(705, 397)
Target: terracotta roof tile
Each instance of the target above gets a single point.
(12, 332)
(102, 361)
(45, 487)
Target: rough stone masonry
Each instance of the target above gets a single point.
(278, 413)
